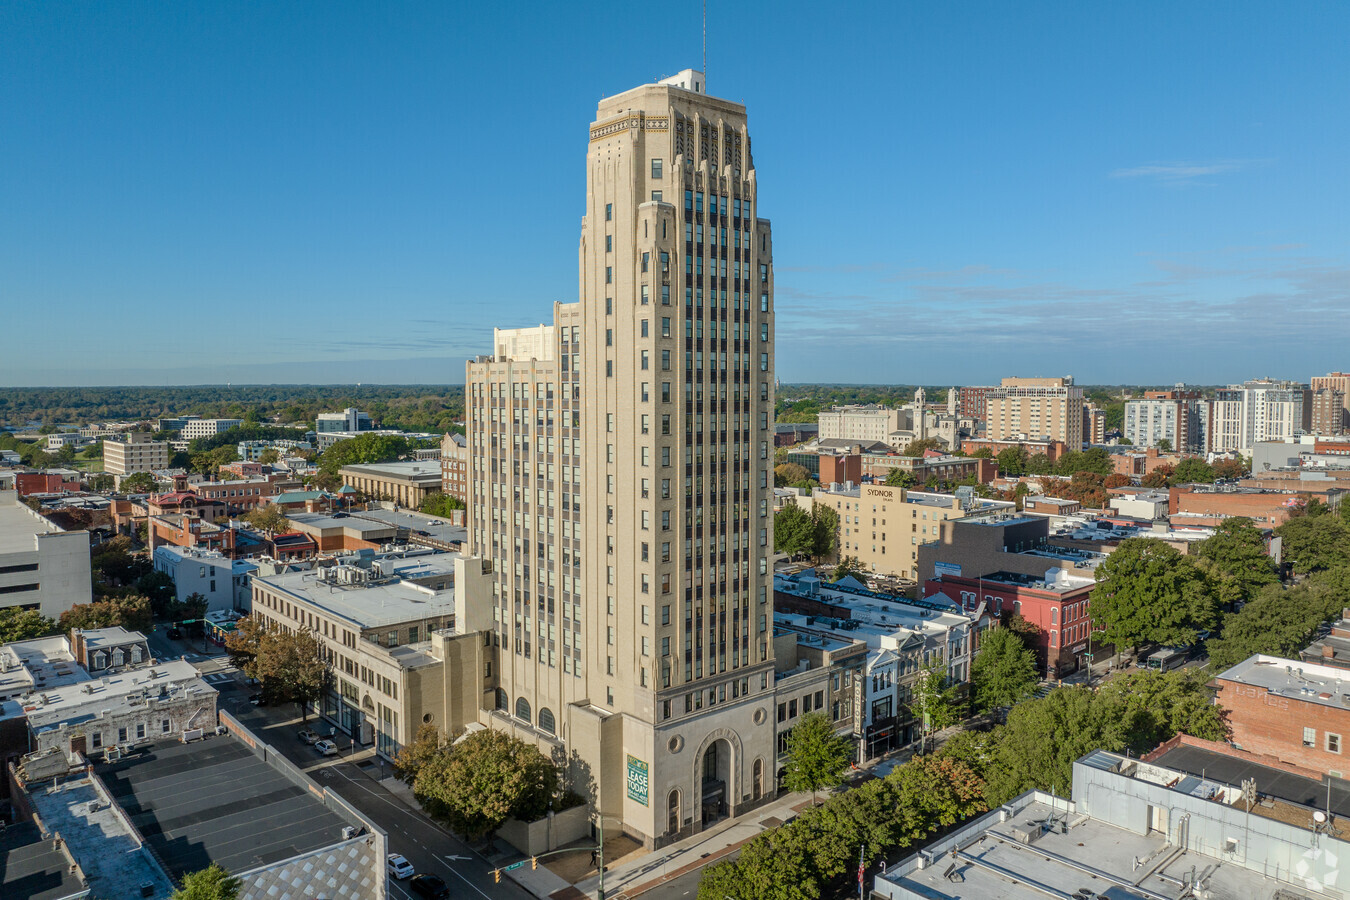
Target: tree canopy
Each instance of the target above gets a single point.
(1280, 622)
(1236, 559)
(1004, 670)
(817, 757)
(1193, 470)
(483, 780)
(270, 519)
(18, 624)
(290, 665)
(1148, 591)
(898, 477)
(794, 533)
(438, 504)
(365, 448)
(1314, 542)
(130, 612)
(211, 883)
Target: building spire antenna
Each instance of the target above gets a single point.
(705, 46)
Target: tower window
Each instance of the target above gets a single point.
(609, 212)
(656, 168)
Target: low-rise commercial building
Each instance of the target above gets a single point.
(245, 494)
(885, 526)
(378, 631)
(42, 566)
(404, 483)
(1290, 709)
(1129, 829)
(223, 581)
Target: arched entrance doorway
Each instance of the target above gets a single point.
(716, 781)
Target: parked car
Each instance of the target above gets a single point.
(399, 867)
(327, 748)
(308, 735)
(257, 699)
(430, 886)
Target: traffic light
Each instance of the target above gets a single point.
(497, 875)
(534, 862)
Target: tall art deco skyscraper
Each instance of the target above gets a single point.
(620, 478)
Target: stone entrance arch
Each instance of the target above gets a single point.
(717, 779)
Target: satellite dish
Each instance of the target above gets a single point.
(1319, 817)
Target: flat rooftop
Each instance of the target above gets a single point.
(360, 526)
(366, 605)
(41, 664)
(1089, 859)
(18, 525)
(49, 708)
(98, 838)
(415, 468)
(1269, 782)
(31, 868)
(1294, 679)
(215, 801)
(437, 529)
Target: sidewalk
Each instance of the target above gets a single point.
(644, 872)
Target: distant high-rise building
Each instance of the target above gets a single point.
(1327, 423)
(350, 421)
(1244, 415)
(1176, 416)
(859, 423)
(1036, 408)
(620, 478)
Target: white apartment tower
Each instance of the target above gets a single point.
(620, 479)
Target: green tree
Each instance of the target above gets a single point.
(1012, 461)
(1230, 468)
(424, 747)
(901, 478)
(131, 613)
(789, 473)
(438, 504)
(936, 699)
(1193, 470)
(190, 608)
(1276, 622)
(921, 446)
(1148, 592)
(159, 587)
(18, 624)
(212, 883)
(817, 757)
(290, 665)
(1236, 559)
(269, 456)
(1164, 445)
(1039, 464)
(270, 519)
(982, 453)
(365, 448)
(1037, 746)
(1311, 543)
(1004, 670)
(139, 483)
(1158, 477)
(827, 531)
(486, 778)
(849, 565)
(794, 533)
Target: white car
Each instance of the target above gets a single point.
(327, 748)
(399, 867)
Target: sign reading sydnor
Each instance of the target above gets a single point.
(639, 780)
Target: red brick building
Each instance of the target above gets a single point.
(44, 483)
(1052, 449)
(1056, 603)
(1265, 508)
(838, 469)
(1295, 711)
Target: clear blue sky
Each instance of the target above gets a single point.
(272, 191)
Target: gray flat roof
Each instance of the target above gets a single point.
(31, 869)
(18, 524)
(50, 708)
(366, 605)
(98, 839)
(437, 529)
(215, 801)
(1294, 679)
(349, 521)
(415, 468)
(1092, 855)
